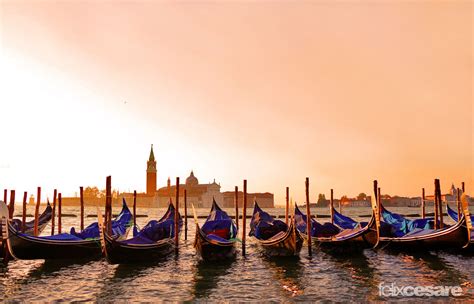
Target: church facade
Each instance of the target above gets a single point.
(198, 194)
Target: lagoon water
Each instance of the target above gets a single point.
(184, 277)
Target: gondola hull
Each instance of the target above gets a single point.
(121, 253)
(356, 241)
(449, 239)
(289, 244)
(212, 250)
(30, 248)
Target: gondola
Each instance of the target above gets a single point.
(453, 214)
(329, 236)
(216, 239)
(152, 243)
(43, 220)
(419, 238)
(274, 237)
(73, 245)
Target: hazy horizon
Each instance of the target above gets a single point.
(343, 93)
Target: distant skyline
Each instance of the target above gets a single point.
(343, 93)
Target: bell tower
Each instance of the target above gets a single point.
(151, 174)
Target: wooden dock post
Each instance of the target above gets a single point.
(23, 213)
(60, 201)
(236, 203)
(423, 207)
(5, 194)
(308, 217)
(185, 215)
(332, 206)
(435, 205)
(458, 203)
(53, 213)
(11, 206)
(134, 208)
(176, 217)
(440, 204)
(81, 193)
(38, 201)
(244, 218)
(462, 188)
(108, 204)
(287, 206)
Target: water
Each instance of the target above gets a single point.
(254, 278)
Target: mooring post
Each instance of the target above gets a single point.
(185, 215)
(287, 205)
(5, 194)
(176, 217)
(59, 212)
(108, 204)
(462, 188)
(11, 207)
(458, 203)
(332, 206)
(308, 217)
(23, 213)
(38, 200)
(53, 213)
(81, 193)
(134, 208)
(440, 205)
(236, 203)
(423, 207)
(244, 218)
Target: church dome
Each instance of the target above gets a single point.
(192, 180)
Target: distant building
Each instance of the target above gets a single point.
(200, 195)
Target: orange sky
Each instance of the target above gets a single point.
(273, 92)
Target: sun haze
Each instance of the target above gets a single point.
(272, 92)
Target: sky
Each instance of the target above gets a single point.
(272, 92)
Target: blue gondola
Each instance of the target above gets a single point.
(73, 245)
(274, 236)
(152, 243)
(216, 239)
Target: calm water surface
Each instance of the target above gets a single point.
(254, 278)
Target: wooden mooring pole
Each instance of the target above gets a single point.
(11, 207)
(185, 215)
(332, 206)
(423, 202)
(60, 202)
(23, 213)
(108, 204)
(236, 203)
(308, 217)
(53, 213)
(134, 208)
(81, 193)
(176, 217)
(287, 206)
(244, 218)
(38, 201)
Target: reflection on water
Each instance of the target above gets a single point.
(325, 275)
(207, 276)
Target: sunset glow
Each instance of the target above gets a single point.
(269, 92)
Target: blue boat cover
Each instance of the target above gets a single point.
(119, 226)
(317, 229)
(453, 214)
(156, 230)
(219, 224)
(343, 221)
(400, 225)
(43, 218)
(263, 226)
